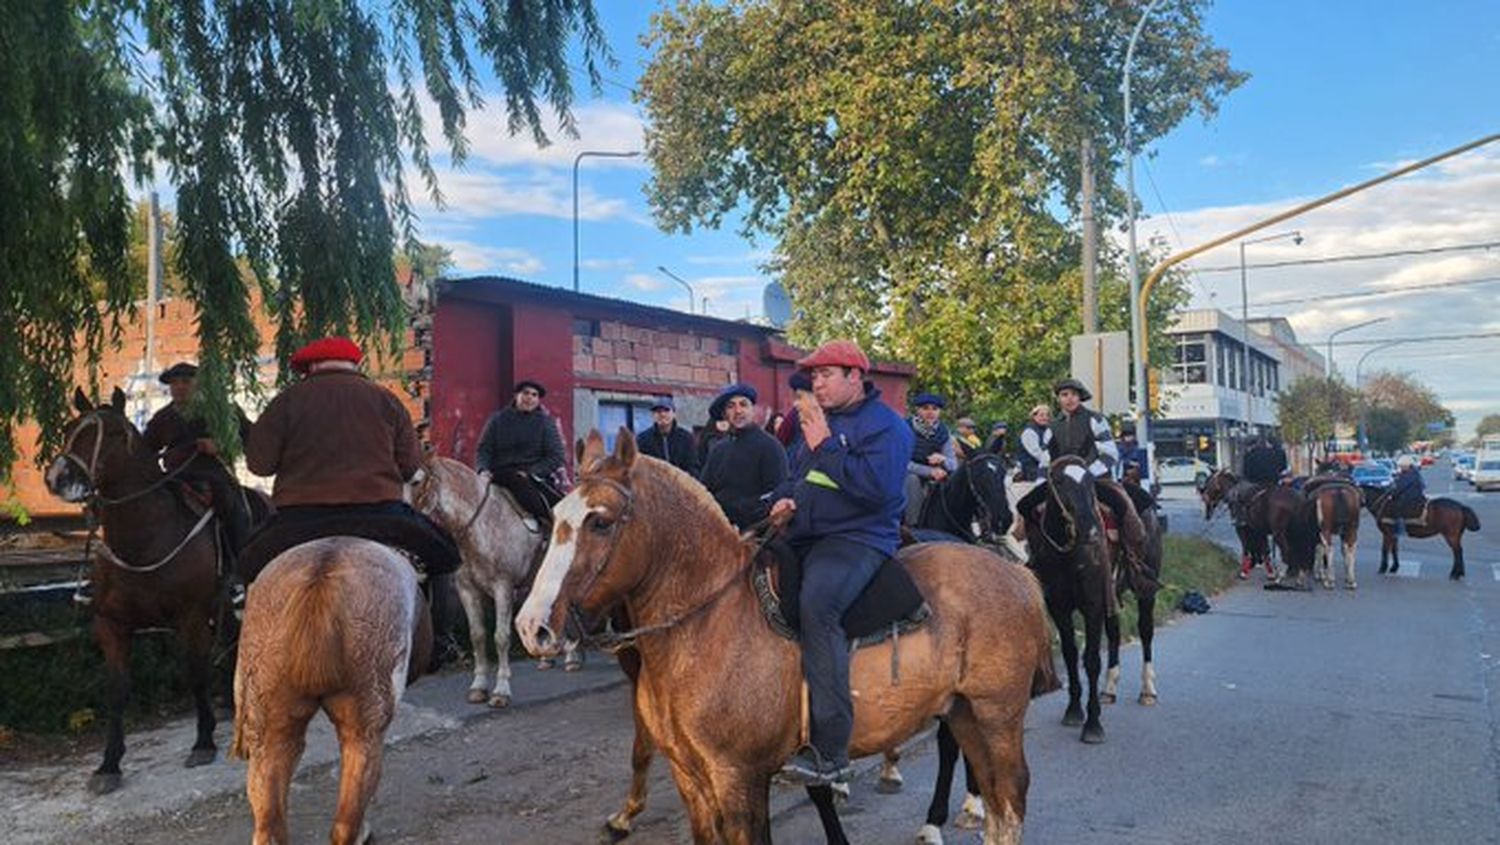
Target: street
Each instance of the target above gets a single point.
(1284, 717)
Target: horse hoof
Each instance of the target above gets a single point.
(1244, 576)
(200, 757)
(545, 663)
(1107, 698)
(971, 817)
(1072, 718)
(1147, 699)
(889, 786)
(476, 696)
(930, 834)
(499, 701)
(1456, 576)
(103, 783)
(840, 789)
(613, 832)
(1351, 586)
(1395, 568)
(1093, 735)
(571, 665)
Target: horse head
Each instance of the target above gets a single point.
(1071, 489)
(442, 490)
(985, 479)
(1215, 489)
(98, 446)
(583, 569)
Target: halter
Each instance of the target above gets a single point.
(425, 484)
(1067, 517)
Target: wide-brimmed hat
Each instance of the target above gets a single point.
(928, 399)
(181, 369)
(326, 349)
(1072, 384)
(837, 353)
(663, 402)
(526, 382)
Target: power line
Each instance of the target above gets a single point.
(604, 79)
(1434, 338)
(1271, 303)
(1171, 223)
(1335, 259)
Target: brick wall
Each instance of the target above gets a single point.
(653, 356)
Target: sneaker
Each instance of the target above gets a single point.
(809, 768)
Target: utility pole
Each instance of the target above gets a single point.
(153, 296)
(1090, 241)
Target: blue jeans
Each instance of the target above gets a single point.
(834, 572)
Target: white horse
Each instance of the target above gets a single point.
(500, 545)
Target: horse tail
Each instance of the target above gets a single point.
(1044, 678)
(1471, 519)
(1341, 509)
(313, 636)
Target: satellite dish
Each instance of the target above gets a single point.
(777, 305)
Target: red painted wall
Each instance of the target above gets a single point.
(468, 374)
(543, 352)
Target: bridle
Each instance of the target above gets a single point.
(1067, 516)
(426, 484)
(981, 506)
(95, 420)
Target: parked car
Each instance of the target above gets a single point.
(1486, 474)
(1427, 459)
(1371, 474)
(1183, 470)
(1388, 463)
(1463, 465)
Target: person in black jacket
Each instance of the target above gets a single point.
(1265, 462)
(521, 449)
(667, 440)
(747, 464)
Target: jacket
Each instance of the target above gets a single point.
(742, 470)
(174, 435)
(1085, 434)
(334, 438)
(852, 485)
(937, 443)
(1035, 440)
(1264, 464)
(517, 440)
(676, 447)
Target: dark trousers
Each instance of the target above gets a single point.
(228, 498)
(392, 523)
(535, 496)
(834, 572)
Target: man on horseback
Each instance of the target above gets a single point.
(844, 501)
(746, 465)
(521, 449)
(1033, 455)
(1085, 433)
(668, 441)
(932, 456)
(1265, 463)
(1407, 496)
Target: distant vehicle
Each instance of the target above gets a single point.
(1183, 470)
(1390, 465)
(1371, 474)
(1486, 474)
(1463, 465)
(1428, 459)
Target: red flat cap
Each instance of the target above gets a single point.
(837, 353)
(326, 349)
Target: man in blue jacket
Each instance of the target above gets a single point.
(844, 501)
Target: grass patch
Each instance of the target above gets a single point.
(1188, 563)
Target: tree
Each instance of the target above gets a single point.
(1487, 426)
(915, 163)
(1387, 429)
(1312, 407)
(285, 128)
(1416, 402)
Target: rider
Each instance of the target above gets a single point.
(1000, 442)
(1265, 463)
(1085, 434)
(1034, 441)
(844, 500)
(521, 449)
(932, 455)
(179, 436)
(1407, 490)
(747, 464)
(966, 442)
(667, 440)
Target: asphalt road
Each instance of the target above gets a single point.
(1369, 716)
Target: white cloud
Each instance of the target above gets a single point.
(471, 257)
(607, 263)
(753, 257)
(644, 281)
(481, 193)
(613, 127)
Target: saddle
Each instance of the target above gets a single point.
(890, 605)
(1411, 515)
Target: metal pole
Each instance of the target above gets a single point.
(679, 280)
(1138, 345)
(1349, 329)
(1245, 330)
(576, 161)
(1090, 239)
(1358, 385)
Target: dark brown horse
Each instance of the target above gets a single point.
(1144, 586)
(1254, 534)
(637, 533)
(156, 567)
(1336, 504)
(1072, 559)
(1442, 517)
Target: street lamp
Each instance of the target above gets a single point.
(679, 280)
(576, 159)
(1328, 365)
(1359, 365)
(1138, 343)
(1296, 236)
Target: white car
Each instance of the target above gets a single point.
(1463, 465)
(1486, 473)
(1182, 470)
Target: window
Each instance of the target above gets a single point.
(585, 328)
(632, 414)
(729, 346)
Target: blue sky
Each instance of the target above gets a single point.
(1339, 91)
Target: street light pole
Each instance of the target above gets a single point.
(1138, 343)
(1328, 365)
(1358, 382)
(576, 160)
(1296, 236)
(679, 280)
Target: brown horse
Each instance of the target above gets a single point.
(1143, 585)
(636, 532)
(1336, 504)
(157, 566)
(336, 625)
(1442, 517)
(1254, 534)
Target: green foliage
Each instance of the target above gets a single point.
(1416, 402)
(285, 127)
(916, 164)
(1487, 426)
(1311, 407)
(1387, 429)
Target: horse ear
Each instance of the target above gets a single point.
(117, 400)
(625, 451)
(81, 401)
(590, 452)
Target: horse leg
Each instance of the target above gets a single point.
(971, 814)
(114, 641)
(473, 602)
(1385, 548)
(1112, 674)
(1456, 543)
(1350, 540)
(890, 781)
(744, 808)
(1062, 621)
(197, 643)
(641, 751)
(1325, 560)
(1395, 545)
(273, 760)
(993, 742)
(828, 814)
(361, 746)
(931, 833)
(1093, 630)
(500, 694)
(1145, 626)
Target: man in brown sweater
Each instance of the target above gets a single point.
(341, 449)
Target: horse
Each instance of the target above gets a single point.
(974, 492)
(337, 625)
(1254, 534)
(500, 551)
(157, 566)
(1336, 505)
(1144, 586)
(1074, 563)
(638, 532)
(1441, 517)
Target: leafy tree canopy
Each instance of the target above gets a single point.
(284, 127)
(1312, 407)
(916, 164)
(1488, 426)
(1387, 429)
(1415, 401)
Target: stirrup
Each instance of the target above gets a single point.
(83, 594)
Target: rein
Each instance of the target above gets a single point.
(1068, 518)
(109, 554)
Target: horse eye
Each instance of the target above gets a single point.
(602, 524)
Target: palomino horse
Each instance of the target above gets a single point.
(1144, 586)
(1442, 517)
(157, 566)
(1255, 546)
(499, 553)
(336, 625)
(1071, 556)
(637, 532)
(1336, 505)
